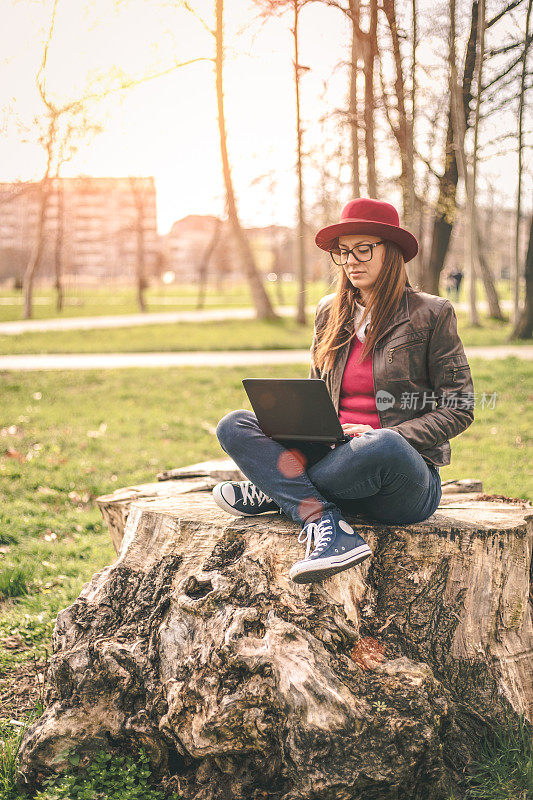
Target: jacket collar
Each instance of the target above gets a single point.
(401, 314)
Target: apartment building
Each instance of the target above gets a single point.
(189, 240)
(98, 227)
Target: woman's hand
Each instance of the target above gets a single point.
(349, 427)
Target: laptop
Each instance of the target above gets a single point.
(295, 409)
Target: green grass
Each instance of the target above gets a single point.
(110, 300)
(505, 768)
(280, 334)
(228, 335)
(67, 437)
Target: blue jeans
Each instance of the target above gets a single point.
(377, 474)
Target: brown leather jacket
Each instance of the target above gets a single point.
(422, 379)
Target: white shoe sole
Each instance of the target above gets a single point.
(310, 571)
(219, 499)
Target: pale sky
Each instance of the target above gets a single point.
(168, 126)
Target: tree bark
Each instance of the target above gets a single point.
(516, 269)
(524, 326)
(370, 104)
(300, 310)
(378, 682)
(487, 277)
(355, 14)
(263, 306)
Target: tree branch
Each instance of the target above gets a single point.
(504, 11)
(510, 67)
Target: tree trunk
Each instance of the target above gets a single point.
(403, 130)
(370, 54)
(300, 310)
(423, 206)
(137, 191)
(58, 256)
(493, 301)
(378, 682)
(475, 258)
(446, 203)
(355, 13)
(516, 266)
(204, 263)
(37, 251)
(263, 306)
(524, 327)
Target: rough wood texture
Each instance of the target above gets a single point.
(374, 684)
(221, 469)
(461, 486)
(115, 507)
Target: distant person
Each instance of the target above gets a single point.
(381, 347)
(453, 283)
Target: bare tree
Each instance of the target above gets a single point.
(459, 130)
(263, 306)
(58, 254)
(355, 14)
(65, 126)
(516, 270)
(270, 7)
(477, 256)
(402, 128)
(370, 53)
(524, 325)
(446, 207)
(140, 193)
(203, 265)
(300, 311)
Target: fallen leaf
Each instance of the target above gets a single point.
(12, 453)
(368, 653)
(15, 642)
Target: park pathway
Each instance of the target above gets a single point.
(224, 358)
(132, 320)
(158, 318)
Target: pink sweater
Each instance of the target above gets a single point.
(357, 402)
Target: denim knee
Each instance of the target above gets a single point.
(392, 442)
(227, 426)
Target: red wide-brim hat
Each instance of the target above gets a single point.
(364, 215)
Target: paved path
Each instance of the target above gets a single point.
(235, 358)
(160, 318)
(128, 320)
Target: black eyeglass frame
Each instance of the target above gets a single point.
(347, 253)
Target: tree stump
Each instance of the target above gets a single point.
(375, 683)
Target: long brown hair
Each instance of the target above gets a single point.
(383, 301)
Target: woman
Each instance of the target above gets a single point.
(399, 379)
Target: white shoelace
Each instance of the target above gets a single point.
(321, 531)
(251, 493)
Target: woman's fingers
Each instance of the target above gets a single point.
(348, 427)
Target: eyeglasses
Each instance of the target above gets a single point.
(361, 253)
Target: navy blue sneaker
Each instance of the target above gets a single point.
(337, 547)
(243, 498)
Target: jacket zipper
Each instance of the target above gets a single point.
(454, 372)
(399, 347)
(374, 384)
